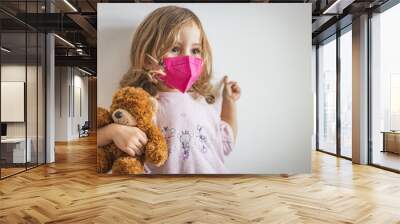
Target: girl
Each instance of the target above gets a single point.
(171, 59)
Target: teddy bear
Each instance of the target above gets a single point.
(134, 107)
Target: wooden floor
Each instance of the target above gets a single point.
(5, 172)
(10, 171)
(70, 191)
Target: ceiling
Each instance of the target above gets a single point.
(76, 20)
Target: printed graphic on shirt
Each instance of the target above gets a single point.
(169, 134)
(146, 170)
(202, 138)
(185, 139)
(228, 149)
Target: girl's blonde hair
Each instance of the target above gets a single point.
(155, 36)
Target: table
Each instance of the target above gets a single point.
(391, 141)
(13, 150)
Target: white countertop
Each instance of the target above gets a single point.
(13, 140)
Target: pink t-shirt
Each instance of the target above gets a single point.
(197, 138)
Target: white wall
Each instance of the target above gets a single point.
(12, 73)
(80, 83)
(61, 104)
(265, 47)
(66, 121)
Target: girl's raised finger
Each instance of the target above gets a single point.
(130, 151)
(136, 147)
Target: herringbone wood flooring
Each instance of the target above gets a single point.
(70, 191)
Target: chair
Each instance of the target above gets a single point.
(84, 130)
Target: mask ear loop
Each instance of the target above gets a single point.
(155, 60)
(153, 75)
(150, 73)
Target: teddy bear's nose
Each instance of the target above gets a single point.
(118, 114)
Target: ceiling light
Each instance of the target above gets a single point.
(338, 6)
(65, 41)
(70, 5)
(5, 50)
(79, 51)
(84, 71)
(326, 11)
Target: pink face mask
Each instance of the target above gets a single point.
(181, 71)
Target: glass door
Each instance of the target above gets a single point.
(14, 156)
(22, 77)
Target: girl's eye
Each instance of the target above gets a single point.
(175, 50)
(196, 51)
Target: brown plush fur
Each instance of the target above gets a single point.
(135, 108)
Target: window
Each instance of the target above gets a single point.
(327, 96)
(346, 94)
(395, 102)
(385, 89)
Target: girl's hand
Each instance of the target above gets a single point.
(129, 139)
(231, 90)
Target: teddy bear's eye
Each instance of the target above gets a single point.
(118, 114)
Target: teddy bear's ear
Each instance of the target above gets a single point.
(103, 117)
(154, 104)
